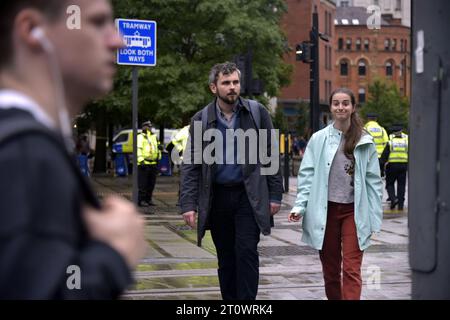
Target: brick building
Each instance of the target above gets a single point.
(399, 9)
(362, 55)
(354, 56)
(297, 23)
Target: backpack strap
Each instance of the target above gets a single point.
(255, 112)
(15, 128)
(204, 118)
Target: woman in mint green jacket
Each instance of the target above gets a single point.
(339, 196)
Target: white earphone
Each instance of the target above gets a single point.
(64, 121)
(38, 34)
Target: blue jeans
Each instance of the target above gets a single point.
(236, 236)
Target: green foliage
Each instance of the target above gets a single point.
(279, 120)
(386, 100)
(192, 36)
(303, 121)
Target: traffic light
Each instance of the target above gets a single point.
(303, 52)
(242, 64)
(249, 86)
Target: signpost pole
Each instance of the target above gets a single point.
(140, 51)
(134, 88)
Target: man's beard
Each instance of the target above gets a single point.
(228, 99)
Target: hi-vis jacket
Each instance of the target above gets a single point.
(147, 149)
(312, 189)
(180, 139)
(398, 147)
(379, 135)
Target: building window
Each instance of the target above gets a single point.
(349, 44)
(361, 68)
(344, 3)
(343, 67)
(394, 44)
(330, 21)
(401, 45)
(326, 22)
(329, 88)
(358, 44)
(406, 46)
(366, 44)
(329, 57)
(387, 44)
(402, 66)
(341, 44)
(398, 5)
(389, 69)
(361, 95)
(376, 2)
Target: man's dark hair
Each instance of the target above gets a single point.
(8, 12)
(224, 68)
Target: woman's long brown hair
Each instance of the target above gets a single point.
(355, 131)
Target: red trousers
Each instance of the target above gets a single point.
(340, 252)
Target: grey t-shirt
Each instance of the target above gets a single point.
(340, 180)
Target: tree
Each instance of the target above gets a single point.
(192, 36)
(303, 122)
(386, 101)
(279, 120)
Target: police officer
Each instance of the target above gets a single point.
(395, 159)
(179, 140)
(378, 133)
(148, 154)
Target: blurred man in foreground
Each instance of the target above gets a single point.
(56, 240)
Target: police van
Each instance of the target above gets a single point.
(123, 141)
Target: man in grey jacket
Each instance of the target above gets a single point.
(234, 193)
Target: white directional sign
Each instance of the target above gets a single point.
(139, 37)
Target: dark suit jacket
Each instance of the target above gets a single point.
(41, 230)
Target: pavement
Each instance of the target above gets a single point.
(176, 269)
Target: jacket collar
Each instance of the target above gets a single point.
(15, 99)
(332, 131)
(212, 116)
(365, 137)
